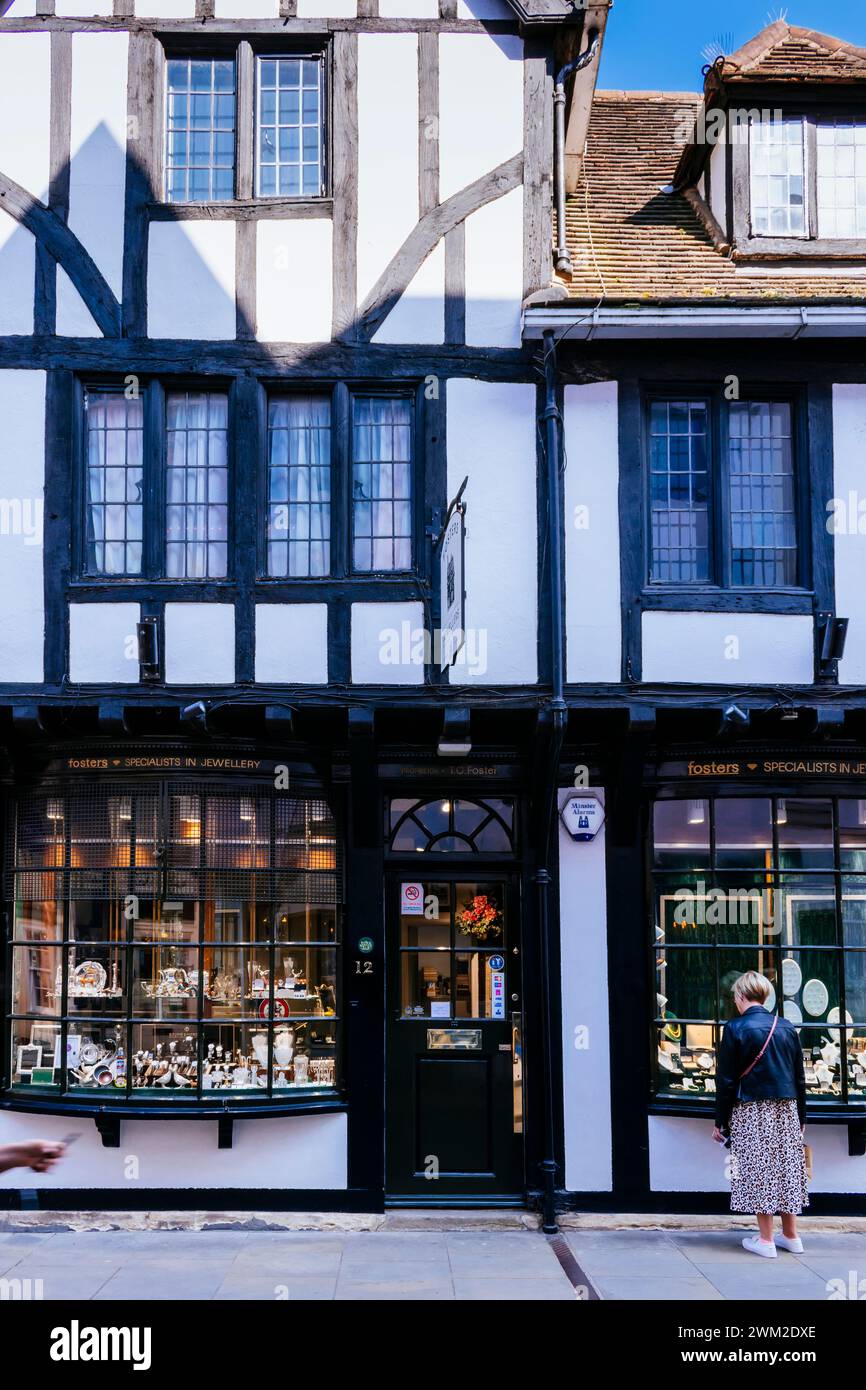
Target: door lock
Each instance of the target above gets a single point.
(514, 998)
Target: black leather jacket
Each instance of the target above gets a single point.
(779, 1075)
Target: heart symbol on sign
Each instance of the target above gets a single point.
(751, 766)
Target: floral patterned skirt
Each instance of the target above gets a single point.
(768, 1164)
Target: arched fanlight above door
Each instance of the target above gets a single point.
(446, 825)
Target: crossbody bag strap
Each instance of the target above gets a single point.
(767, 1041)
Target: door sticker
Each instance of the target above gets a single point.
(412, 899)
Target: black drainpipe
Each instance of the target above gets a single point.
(547, 803)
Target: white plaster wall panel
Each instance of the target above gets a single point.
(387, 150)
(74, 319)
(17, 272)
(419, 314)
(25, 110)
(728, 649)
(585, 1011)
(102, 642)
(298, 1151)
(484, 9)
(294, 278)
(849, 546)
(97, 170)
(480, 105)
(199, 643)
(718, 185)
(84, 9)
(683, 1159)
(292, 643)
(165, 9)
(409, 9)
(388, 643)
(491, 437)
(494, 272)
(327, 9)
(22, 480)
(191, 280)
(247, 9)
(593, 616)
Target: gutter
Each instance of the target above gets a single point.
(583, 323)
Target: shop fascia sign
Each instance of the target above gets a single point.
(583, 817)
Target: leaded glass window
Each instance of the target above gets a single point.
(299, 486)
(200, 130)
(196, 485)
(381, 483)
(722, 483)
(679, 490)
(290, 127)
(841, 145)
(114, 425)
(777, 149)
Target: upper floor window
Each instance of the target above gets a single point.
(240, 125)
(290, 127)
(722, 493)
(200, 130)
(307, 465)
(807, 178)
(141, 518)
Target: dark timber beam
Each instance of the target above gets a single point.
(427, 233)
(67, 250)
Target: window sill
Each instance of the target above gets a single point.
(242, 209)
(693, 599)
(330, 1103)
(756, 249)
(817, 1112)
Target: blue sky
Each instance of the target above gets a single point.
(649, 46)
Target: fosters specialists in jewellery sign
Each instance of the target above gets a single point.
(583, 817)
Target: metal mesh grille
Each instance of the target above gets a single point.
(186, 841)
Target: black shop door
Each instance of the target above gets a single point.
(454, 1094)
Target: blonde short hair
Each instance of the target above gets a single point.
(754, 987)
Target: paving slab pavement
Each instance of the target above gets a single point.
(474, 1264)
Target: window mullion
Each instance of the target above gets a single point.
(722, 497)
(154, 481)
(341, 481)
(810, 139)
(246, 121)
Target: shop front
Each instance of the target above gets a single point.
(734, 860)
(256, 980)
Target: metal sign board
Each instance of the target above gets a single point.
(452, 594)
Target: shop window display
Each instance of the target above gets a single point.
(773, 884)
(173, 943)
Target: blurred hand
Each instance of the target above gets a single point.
(718, 1136)
(38, 1155)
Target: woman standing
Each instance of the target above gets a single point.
(761, 1102)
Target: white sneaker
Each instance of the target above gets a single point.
(792, 1243)
(755, 1246)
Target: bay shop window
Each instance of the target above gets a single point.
(174, 942)
(769, 883)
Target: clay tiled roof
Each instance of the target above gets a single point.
(631, 243)
(783, 52)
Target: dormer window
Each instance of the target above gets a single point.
(777, 156)
(800, 184)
